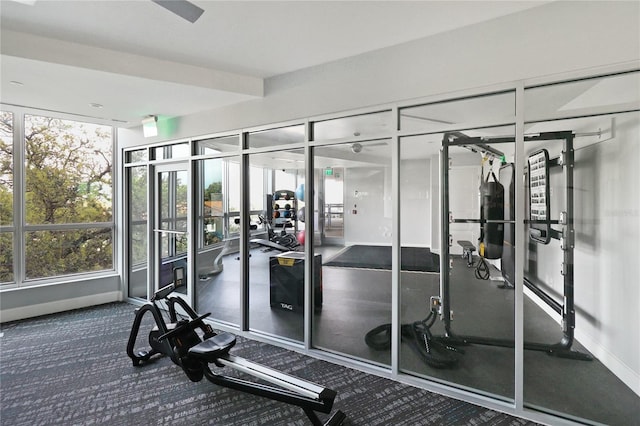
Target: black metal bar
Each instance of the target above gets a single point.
(546, 298)
(557, 349)
(445, 295)
(555, 234)
(549, 222)
(323, 404)
(140, 312)
(462, 139)
(555, 162)
(481, 221)
(569, 314)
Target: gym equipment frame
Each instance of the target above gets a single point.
(442, 305)
(179, 340)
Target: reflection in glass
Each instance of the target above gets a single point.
(356, 276)
(482, 303)
(173, 238)
(618, 91)
(332, 227)
(217, 263)
(587, 268)
(498, 107)
(138, 240)
(137, 156)
(217, 145)
(179, 150)
(279, 136)
(276, 263)
(356, 125)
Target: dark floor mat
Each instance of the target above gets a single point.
(418, 259)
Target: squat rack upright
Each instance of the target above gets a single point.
(566, 236)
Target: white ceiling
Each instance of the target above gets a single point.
(136, 58)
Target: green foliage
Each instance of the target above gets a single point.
(68, 179)
(213, 192)
(6, 257)
(6, 168)
(68, 172)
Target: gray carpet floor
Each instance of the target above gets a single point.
(71, 369)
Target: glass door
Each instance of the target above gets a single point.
(171, 236)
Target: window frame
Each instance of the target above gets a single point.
(20, 229)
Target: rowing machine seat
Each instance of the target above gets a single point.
(214, 347)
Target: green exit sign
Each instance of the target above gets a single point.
(328, 172)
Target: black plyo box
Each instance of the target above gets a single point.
(286, 273)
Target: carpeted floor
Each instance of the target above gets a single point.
(71, 369)
(417, 259)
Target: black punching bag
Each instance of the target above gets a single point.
(491, 208)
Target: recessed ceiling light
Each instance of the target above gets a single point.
(16, 83)
(95, 105)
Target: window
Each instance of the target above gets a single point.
(68, 197)
(6, 196)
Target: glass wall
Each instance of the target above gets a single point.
(276, 262)
(172, 223)
(179, 150)
(217, 254)
(138, 218)
(581, 291)
(472, 345)
(480, 205)
(361, 125)
(456, 308)
(274, 137)
(356, 272)
(216, 145)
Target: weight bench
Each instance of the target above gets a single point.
(467, 251)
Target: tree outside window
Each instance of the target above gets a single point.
(68, 219)
(6, 196)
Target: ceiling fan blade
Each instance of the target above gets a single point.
(183, 8)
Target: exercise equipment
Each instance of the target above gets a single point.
(507, 176)
(467, 251)
(300, 237)
(286, 281)
(193, 345)
(282, 240)
(491, 217)
(539, 196)
(442, 304)
(283, 215)
(431, 350)
(299, 192)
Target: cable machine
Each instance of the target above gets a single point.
(540, 227)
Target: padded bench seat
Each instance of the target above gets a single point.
(214, 347)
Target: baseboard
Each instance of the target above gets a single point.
(58, 306)
(627, 375)
(621, 370)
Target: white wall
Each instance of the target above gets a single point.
(415, 203)
(554, 38)
(607, 250)
(19, 303)
(365, 221)
(367, 191)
